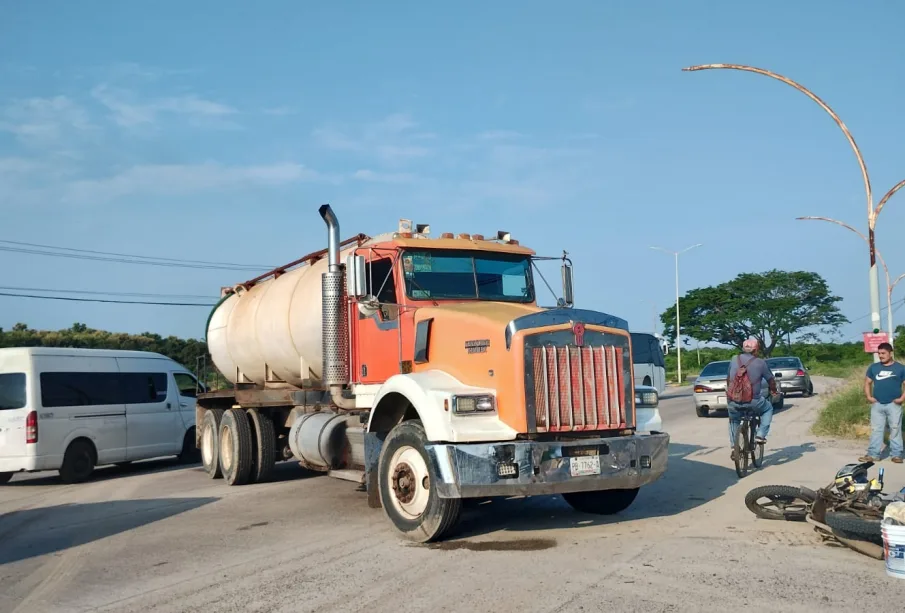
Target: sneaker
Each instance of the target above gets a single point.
(732, 455)
(897, 460)
(759, 440)
(867, 458)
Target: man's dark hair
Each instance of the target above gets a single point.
(885, 347)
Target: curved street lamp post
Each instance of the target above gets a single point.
(676, 254)
(890, 283)
(872, 211)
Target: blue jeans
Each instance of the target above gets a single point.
(762, 407)
(882, 415)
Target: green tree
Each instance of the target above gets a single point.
(768, 306)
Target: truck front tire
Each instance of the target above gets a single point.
(603, 502)
(404, 481)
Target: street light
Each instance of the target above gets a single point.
(890, 284)
(872, 212)
(678, 329)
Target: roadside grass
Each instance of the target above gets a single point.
(839, 370)
(846, 413)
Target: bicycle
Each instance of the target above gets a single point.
(745, 446)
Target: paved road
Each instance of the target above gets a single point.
(159, 538)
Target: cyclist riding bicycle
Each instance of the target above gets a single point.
(747, 395)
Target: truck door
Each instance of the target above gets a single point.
(376, 336)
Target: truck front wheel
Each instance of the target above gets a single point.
(604, 502)
(405, 478)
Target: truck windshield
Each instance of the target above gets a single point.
(467, 275)
(12, 390)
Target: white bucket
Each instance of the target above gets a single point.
(894, 550)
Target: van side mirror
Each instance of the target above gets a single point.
(356, 276)
(568, 298)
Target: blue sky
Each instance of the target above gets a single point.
(213, 130)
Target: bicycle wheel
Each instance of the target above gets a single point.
(757, 451)
(780, 502)
(741, 449)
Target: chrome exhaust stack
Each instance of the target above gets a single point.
(335, 317)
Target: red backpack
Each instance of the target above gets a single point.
(739, 389)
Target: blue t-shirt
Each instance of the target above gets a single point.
(887, 381)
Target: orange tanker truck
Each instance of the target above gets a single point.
(424, 369)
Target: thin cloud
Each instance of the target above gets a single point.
(383, 177)
(391, 140)
(129, 112)
(43, 121)
(183, 179)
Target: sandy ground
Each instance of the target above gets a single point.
(157, 537)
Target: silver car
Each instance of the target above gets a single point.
(791, 375)
(710, 390)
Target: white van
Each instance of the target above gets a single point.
(648, 361)
(74, 409)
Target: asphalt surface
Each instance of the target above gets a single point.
(157, 537)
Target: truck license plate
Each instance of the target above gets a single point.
(721, 400)
(584, 465)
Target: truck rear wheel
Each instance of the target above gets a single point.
(404, 481)
(236, 453)
(210, 442)
(604, 502)
(264, 445)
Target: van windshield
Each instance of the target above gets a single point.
(12, 390)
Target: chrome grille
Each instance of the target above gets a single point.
(571, 387)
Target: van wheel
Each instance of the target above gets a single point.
(5, 477)
(236, 453)
(190, 454)
(78, 462)
(264, 446)
(210, 442)
(404, 482)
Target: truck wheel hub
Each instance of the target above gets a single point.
(404, 483)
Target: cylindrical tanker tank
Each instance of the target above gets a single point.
(276, 324)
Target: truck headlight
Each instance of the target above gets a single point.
(646, 399)
(473, 404)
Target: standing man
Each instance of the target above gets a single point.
(883, 387)
(757, 372)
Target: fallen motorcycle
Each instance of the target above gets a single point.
(849, 510)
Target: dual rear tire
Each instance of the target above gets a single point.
(238, 445)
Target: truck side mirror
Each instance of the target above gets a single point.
(356, 276)
(568, 297)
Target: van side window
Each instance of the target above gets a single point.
(74, 389)
(188, 386)
(143, 388)
(12, 390)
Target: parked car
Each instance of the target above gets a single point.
(710, 390)
(73, 409)
(791, 375)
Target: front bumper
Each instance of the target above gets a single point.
(473, 470)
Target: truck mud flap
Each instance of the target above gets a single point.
(373, 445)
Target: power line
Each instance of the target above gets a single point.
(122, 258)
(97, 293)
(73, 299)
